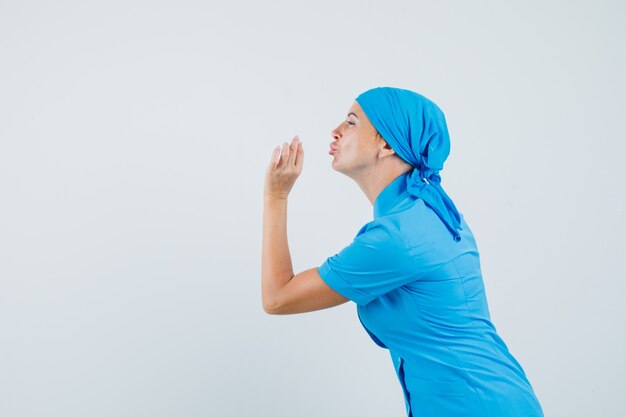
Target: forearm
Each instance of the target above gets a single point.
(276, 268)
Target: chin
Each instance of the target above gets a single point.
(335, 166)
(341, 171)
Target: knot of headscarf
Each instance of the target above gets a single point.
(416, 130)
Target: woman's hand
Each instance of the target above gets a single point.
(282, 172)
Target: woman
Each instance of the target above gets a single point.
(413, 271)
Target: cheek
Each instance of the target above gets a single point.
(368, 148)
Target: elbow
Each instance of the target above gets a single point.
(275, 308)
(274, 302)
(270, 307)
(274, 311)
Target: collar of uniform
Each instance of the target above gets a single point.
(390, 196)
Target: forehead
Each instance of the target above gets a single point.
(356, 109)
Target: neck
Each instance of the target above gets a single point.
(373, 182)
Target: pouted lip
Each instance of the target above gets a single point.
(333, 148)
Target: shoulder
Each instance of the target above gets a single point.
(422, 232)
(379, 244)
(384, 230)
(410, 223)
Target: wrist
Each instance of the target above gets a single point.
(274, 197)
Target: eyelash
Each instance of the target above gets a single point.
(349, 122)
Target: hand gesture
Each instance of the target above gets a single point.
(284, 169)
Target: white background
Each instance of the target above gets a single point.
(134, 139)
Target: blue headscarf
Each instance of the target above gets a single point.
(416, 130)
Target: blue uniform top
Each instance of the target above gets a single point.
(420, 294)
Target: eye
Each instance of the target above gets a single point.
(349, 122)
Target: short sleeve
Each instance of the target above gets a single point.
(376, 262)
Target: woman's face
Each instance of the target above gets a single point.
(356, 144)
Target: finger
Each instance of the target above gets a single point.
(300, 156)
(275, 156)
(293, 150)
(284, 157)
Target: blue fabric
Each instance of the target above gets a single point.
(420, 294)
(416, 130)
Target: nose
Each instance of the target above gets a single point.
(335, 133)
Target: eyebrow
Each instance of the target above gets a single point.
(353, 115)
